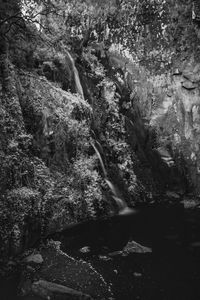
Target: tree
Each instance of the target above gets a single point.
(20, 18)
(10, 14)
(128, 22)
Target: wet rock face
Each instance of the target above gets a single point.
(169, 105)
(166, 82)
(177, 116)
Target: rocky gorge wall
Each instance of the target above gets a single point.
(177, 116)
(164, 77)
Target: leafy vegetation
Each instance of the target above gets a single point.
(50, 175)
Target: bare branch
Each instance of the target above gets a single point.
(9, 18)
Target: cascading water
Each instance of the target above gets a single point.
(120, 203)
(123, 208)
(100, 160)
(78, 85)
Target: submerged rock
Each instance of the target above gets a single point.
(133, 247)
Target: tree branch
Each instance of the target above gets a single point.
(15, 16)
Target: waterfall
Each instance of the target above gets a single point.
(100, 160)
(78, 85)
(120, 203)
(123, 208)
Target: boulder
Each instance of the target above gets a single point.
(34, 258)
(133, 247)
(50, 290)
(192, 77)
(188, 85)
(176, 71)
(173, 195)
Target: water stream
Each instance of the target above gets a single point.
(121, 204)
(100, 160)
(78, 85)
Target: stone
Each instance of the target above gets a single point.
(192, 77)
(34, 258)
(189, 85)
(115, 253)
(104, 257)
(85, 249)
(176, 72)
(189, 203)
(192, 72)
(50, 290)
(133, 247)
(172, 194)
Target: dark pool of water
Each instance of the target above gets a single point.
(170, 272)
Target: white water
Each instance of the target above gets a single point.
(78, 85)
(120, 203)
(100, 160)
(115, 194)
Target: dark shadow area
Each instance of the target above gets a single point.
(170, 272)
(146, 224)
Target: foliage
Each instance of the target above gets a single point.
(88, 182)
(49, 173)
(62, 177)
(19, 207)
(119, 157)
(10, 14)
(145, 28)
(138, 26)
